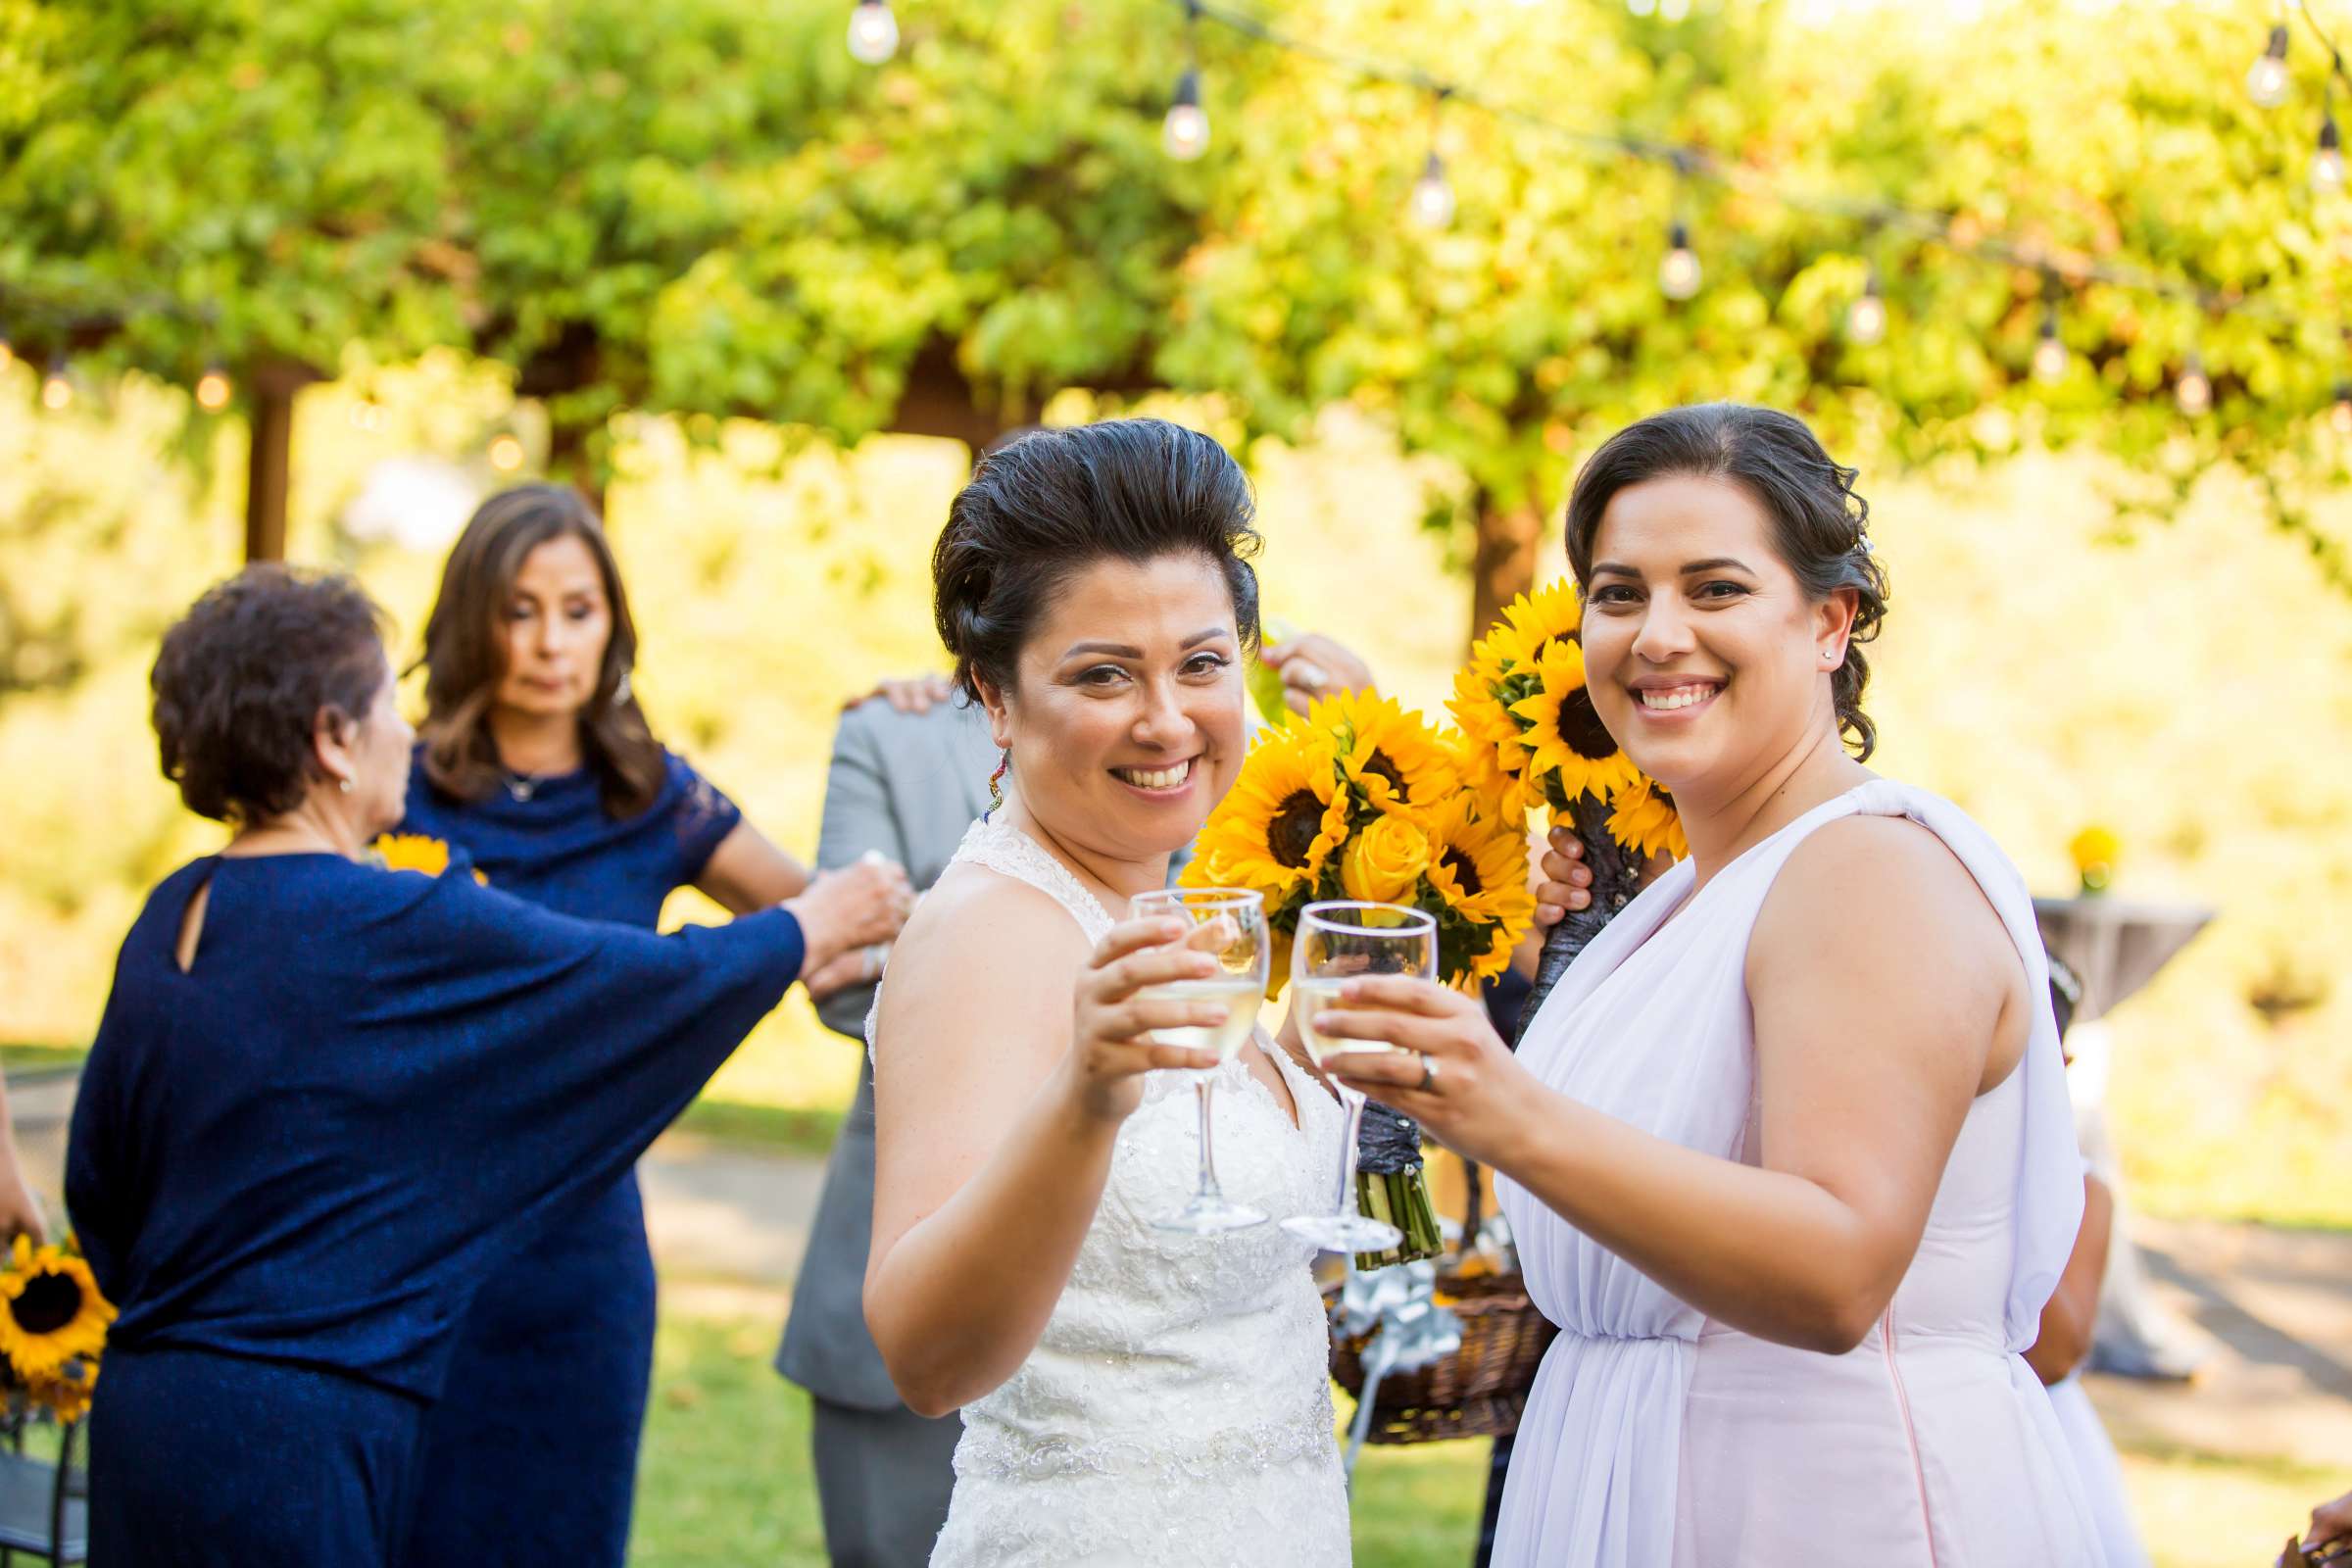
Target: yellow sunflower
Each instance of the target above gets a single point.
(1281, 821)
(1388, 753)
(1532, 622)
(50, 1310)
(415, 852)
(67, 1395)
(1480, 870)
(1568, 741)
(1644, 820)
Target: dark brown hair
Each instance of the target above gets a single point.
(1818, 522)
(1053, 502)
(464, 653)
(242, 679)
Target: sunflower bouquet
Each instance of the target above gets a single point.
(1365, 800)
(1532, 737)
(52, 1329)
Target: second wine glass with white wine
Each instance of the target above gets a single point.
(1338, 942)
(1231, 925)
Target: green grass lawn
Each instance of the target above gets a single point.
(726, 1479)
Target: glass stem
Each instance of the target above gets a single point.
(1204, 1086)
(1354, 1103)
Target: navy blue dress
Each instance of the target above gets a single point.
(530, 1457)
(292, 1166)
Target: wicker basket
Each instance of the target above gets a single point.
(1479, 1391)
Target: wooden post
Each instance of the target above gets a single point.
(1502, 564)
(270, 462)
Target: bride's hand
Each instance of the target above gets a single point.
(1111, 1036)
(1450, 1074)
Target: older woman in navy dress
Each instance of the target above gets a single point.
(326, 1100)
(537, 761)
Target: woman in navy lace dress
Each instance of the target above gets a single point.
(327, 1098)
(538, 762)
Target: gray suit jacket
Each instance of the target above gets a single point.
(907, 785)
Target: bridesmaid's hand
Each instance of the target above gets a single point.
(1451, 1074)
(1111, 1046)
(846, 909)
(1566, 883)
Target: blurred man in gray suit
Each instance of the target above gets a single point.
(909, 774)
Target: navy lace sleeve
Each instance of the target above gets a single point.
(702, 818)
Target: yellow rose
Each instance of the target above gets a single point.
(1386, 859)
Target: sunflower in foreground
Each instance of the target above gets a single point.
(1479, 868)
(415, 852)
(67, 1395)
(50, 1310)
(1277, 827)
(1391, 755)
(1565, 734)
(1644, 820)
(1531, 623)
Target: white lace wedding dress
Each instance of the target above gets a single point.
(1177, 1409)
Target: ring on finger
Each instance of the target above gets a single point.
(1429, 1074)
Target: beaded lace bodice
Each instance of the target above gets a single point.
(1177, 1408)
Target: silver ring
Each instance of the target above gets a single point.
(1429, 1074)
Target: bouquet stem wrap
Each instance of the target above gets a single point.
(1392, 1186)
(1616, 878)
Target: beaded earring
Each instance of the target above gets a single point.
(995, 786)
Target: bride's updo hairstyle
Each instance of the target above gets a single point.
(1050, 503)
(1818, 522)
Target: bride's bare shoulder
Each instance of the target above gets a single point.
(980, 930)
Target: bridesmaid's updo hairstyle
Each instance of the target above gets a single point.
(1049, 503)
(1819, 523)
(243, 677)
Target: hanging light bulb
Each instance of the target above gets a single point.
(873, 32)
(213, 389)
(1678, 271)
(2340, 415)
(2266, 79)
(2049, 355)
(2194, 390)
(1433, 194)
(1184, 134)
(506, 454)
(2327, 158)
(56, 388)
(1865, 317)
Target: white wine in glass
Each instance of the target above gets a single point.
(1337, 941)
(1243, 949)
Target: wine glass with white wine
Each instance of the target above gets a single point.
(1242, 947)
(1338, 942)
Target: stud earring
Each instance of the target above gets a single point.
(344, 785)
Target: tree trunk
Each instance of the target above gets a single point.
(1503, 564)
(270, 460)
(571, 455)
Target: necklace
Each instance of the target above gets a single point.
(522, 786)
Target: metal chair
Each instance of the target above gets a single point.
(44, 1506)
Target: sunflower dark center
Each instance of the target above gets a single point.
(50, 1302)
(1580, 727)
(1291, 834)
(1381, 764)
(1465, 872)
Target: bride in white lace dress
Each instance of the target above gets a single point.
(1129, 1395)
